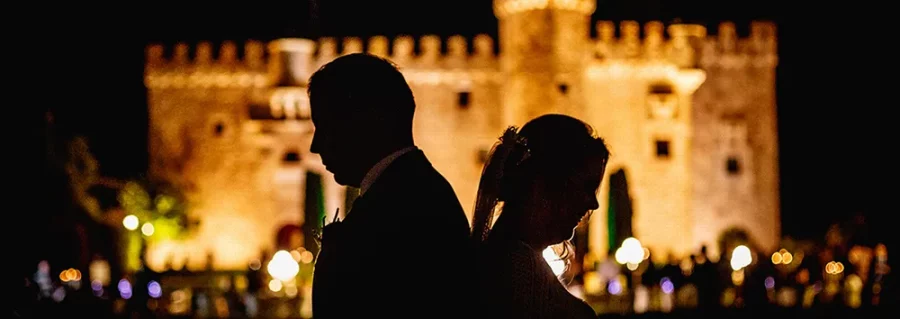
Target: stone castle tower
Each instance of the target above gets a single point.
(690, 119)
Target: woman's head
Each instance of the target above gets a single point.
(555, 186)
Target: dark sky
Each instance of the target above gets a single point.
(832, 97)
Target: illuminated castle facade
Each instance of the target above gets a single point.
(689, 117)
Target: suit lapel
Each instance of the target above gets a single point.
(383, 185)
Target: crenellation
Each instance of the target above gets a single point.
(763, 37)
(457, 46)
(727, 37)
(254, 55)
(403, 50)
(352, 45)
(205, 69)
(630, 40)
(484, 46)
(483, 56)
(155, 56)
(257, 56)
(606, 34)
(687, 45)
(681, 47)
(457, 52)
(606, 31)
(203, 55)
(181, 54)
(653, 40)
(327, 51)
(228, 53)
(378, 45)
(430, 51)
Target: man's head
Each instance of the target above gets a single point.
(362, 109)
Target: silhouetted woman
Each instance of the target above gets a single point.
(542, 181)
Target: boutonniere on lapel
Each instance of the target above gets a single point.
(318, 233)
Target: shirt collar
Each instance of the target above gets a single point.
(379, 167)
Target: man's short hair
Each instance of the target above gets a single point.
(361, 82)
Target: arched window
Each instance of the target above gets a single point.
(662, 102)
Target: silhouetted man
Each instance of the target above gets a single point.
(400, 251)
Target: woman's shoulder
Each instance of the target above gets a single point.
(504, 246)
(508, 254)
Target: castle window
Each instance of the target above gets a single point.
(218, 129)
(732, 166)
(463, 99)
(661, 88)
(291, 157)
(662, 149)
(563, 88)
(662, 103)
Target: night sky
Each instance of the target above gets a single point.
(832, 97)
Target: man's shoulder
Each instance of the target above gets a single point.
(412, 178)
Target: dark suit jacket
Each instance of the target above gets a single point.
(401, 252)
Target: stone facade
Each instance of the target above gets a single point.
(688, 116)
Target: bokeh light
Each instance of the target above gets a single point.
(283, 266)
(130, 222)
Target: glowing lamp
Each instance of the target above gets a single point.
(631, 253)
(740, 257)
(283, 266)
(130, 222)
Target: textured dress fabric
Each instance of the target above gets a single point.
(517, 282)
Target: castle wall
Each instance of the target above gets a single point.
(710, 98)
(239, 182)
(623, 109)
(735, 122)
(198, 118)
(709, 116)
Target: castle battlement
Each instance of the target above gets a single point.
(433, 59)
(432, 53)
(687, 45)
(180, 69)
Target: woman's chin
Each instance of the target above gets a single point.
(566, 236)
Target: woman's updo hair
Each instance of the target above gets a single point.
(552, 146)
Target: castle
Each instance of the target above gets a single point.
(689, 117)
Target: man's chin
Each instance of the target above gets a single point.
(344, 181)
(340, 179)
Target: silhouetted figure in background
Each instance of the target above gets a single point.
(706, 279)
(407, 229)
(547, 178)
(672, 270)
(755, 281)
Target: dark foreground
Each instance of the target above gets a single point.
(773, 313)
